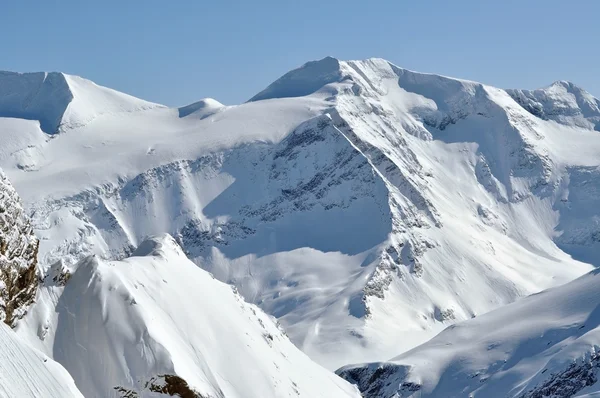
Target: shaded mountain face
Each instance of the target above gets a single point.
(365, 206)
(545, 345)
(18, 256)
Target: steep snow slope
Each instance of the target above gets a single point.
(545, 345)
(27, 373)
(154, 318)
(364, 205)
(60, 102)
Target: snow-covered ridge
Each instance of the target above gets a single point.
(60, 101)
(543, 345)
(129, 326)
(563, 102)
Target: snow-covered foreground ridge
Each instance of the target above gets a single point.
(363, 205)
(155, 322)
(545, 345)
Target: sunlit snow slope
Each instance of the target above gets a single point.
(27, 373)
(363, 205)
(60, 102)
(133, 326)
(545, 345)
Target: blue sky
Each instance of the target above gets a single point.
(175, 52)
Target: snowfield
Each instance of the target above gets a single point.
(365, 206)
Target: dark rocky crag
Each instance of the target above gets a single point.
(18, 256)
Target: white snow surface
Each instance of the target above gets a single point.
(60, 102)
(27, 373)
(365, 206)
(544, 345)
(121, 323)
(202, 109)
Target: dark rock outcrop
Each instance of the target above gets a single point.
(18, 256)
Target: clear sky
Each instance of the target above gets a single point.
(178, 51)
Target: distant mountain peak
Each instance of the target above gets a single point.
(565, 84)
(304, 80)
(563, 102)
(60, 101)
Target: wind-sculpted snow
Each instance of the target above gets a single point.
(155, 322)
(545, 345)
(364, 205)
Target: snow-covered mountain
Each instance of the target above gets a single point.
(155, 322)
(545, 345)
(363, 205)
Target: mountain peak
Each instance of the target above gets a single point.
(563, 102)
(60, 101)
(304, 80)
(565, 84)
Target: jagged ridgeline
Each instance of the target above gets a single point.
(18, 256)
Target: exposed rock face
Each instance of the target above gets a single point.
(375, 381)
(18, 256)
(563, 384)
(166, 385)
